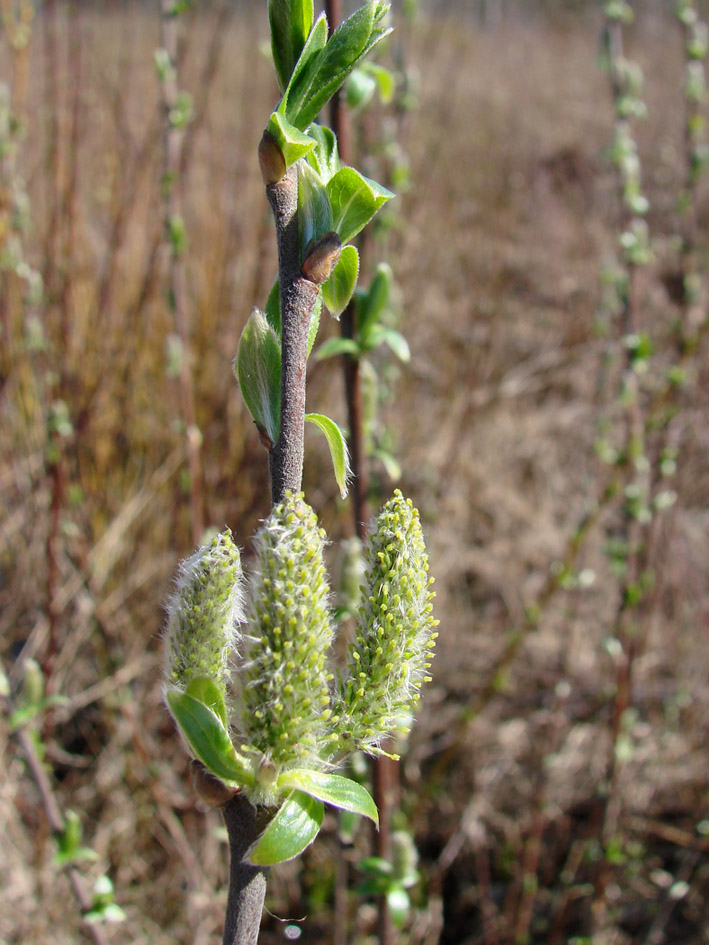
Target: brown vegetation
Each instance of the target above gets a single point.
(510, 219)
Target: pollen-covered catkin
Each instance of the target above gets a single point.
(203, 614)
(395, 632)
(285, 682)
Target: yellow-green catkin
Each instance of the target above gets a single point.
(395, 633)
(203, 615)
(286, 684)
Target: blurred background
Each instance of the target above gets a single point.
(556, 782)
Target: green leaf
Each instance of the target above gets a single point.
(294, 828)
(360, 89)
(291, 22)
(273, 308)
(332, 789)
(338, 448)
(386, 85)
(354, 199)
(258, 370)
(314, 210)
(209, 693)
(306, 64)
(313, 85)
(324, 157)
(314, 323)
(339, 288)
(376, 300)
(380, 335)
(207, 737)
(335, 346)
(291, 140)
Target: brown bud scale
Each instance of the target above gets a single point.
(321, 257)
(271, 160)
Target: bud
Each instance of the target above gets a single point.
(321, 257)
(395, 634)
(211, 791)
(285, 696)
(271, 160)
(203, 614)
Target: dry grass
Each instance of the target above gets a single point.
(507, 227)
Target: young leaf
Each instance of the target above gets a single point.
(314, 323)
(384, 78)
(334, 346)
(291, 141)
(294, 828)
(339, 288)
(379, 335)
(291, 22)
(209, 693)
(314, 210)
(273, 308)
(324, 157)
(207, 737)
(360, 89)
(306, 64)
(332, 789)
(355, 199)
(338, 448)
(312, 86)
(373, 303)
(258, 370)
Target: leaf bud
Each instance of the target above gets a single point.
(271, 160)
(321, 257)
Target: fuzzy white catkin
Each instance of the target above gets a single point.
(395, 632)
(285, 681)
(204, 613)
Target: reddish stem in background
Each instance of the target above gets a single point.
(385, 772)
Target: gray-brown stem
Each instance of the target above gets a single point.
(298, 296)
(247, 884)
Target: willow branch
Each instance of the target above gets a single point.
(247, 884)
(298, 296)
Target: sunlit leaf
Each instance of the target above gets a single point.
(207, 737)
(293, 828)
(338, 448)
(314, 83)
(324, 156)
(291, 22)
(380, 335)
(339, 288)
(314, 210)
(354, 199)
(294, 144)
(373, 303)
(333, 789)
(258, 370)
(335, 346)
(208, 692)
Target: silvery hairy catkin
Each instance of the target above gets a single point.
(395, 632)
(203, 614)
(285, 682)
